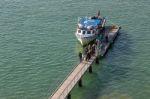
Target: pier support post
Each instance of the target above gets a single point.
(90, 69)
(69, 96)
(80, 83)
(97, 60)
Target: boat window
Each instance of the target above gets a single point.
(83, 32)
(88, 32)
(79, 31)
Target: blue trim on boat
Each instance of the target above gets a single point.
(90, 22)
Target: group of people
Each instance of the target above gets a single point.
(87, 52)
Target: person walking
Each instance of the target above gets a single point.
(80, 56)
(88, 56)
(93, 49)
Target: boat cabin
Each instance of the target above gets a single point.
(88, 26)
(85, 32)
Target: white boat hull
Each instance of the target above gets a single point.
(85, 40)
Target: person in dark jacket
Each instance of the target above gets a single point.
(88, 56)
(80, 56)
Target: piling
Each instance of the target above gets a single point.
(69, 96)
(80, 83)
(97, 60)
(90, 69)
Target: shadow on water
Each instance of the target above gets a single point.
(113, 68)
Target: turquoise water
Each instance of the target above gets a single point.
(38, 49)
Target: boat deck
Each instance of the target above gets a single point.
(112, 34)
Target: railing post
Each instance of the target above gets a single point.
(80, 83)
(69, 96)
(90, 69)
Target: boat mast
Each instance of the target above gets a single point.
(98, 13)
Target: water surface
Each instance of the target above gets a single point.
(38, 49)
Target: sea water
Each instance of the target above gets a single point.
(38, 49)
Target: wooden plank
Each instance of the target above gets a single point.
(112, 33)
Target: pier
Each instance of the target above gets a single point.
(63, 91)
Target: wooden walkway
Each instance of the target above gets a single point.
(72, 79)
(75, 76)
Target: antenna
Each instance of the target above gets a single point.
(98, 13)
(78, 19)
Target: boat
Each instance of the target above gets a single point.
(89, 27)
